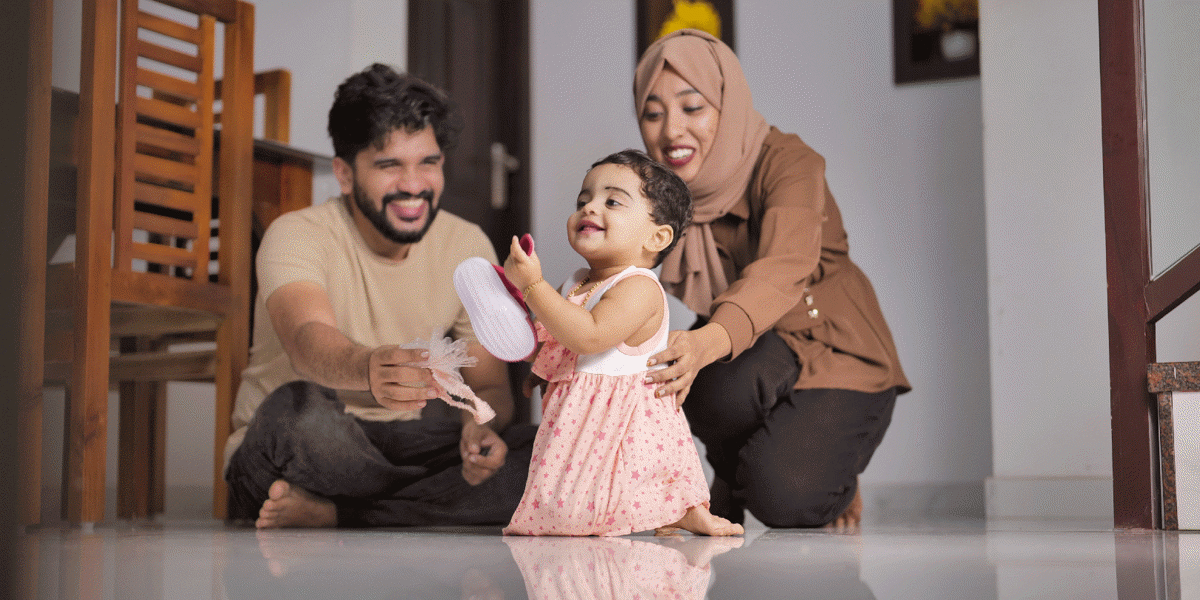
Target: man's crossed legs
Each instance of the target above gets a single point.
(305, 460)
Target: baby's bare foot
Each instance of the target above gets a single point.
(700, 551)
(291, 506)
(698, 520)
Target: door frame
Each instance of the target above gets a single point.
(1136, 299)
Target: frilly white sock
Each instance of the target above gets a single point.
(446, 357)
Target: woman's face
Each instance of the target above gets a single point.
(678, 124)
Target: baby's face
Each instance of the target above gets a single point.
(612, 218)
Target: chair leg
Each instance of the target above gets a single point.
(87, 415)
(141, 464)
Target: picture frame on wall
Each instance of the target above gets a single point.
(656, 18)
(935, 39)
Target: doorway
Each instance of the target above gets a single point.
(478, 52)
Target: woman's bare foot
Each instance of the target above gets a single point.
(852, 516)
(291, 506)
(698, 520)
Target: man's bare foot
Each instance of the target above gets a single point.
(852, 516)
(285, 550)
(291, 506)
(698, 520)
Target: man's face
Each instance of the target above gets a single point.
(398, 188)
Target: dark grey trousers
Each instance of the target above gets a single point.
(792, 457)
(391, 473)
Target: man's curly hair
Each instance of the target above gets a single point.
(378, 100)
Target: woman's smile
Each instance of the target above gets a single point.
(678, 156)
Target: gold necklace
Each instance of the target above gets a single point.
(583, 283)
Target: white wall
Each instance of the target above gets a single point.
(1046, 265)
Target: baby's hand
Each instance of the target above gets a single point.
(522, 268)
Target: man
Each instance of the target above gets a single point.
(333, 424)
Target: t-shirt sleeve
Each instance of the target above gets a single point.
(292, 249)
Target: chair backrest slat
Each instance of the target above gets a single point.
(169, 28)
(164, 140)
(177, 90)
(225, 11)
(165, 173)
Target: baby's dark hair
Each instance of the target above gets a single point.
(369, 105)
(670, 199)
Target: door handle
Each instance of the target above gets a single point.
(503, 163)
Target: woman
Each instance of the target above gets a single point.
(790, 373)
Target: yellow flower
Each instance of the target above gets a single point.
(942, 14)
(692, 15)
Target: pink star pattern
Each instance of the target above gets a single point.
(604, 450)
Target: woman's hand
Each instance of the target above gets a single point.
(687, 352)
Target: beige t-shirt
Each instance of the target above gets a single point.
(375, 301)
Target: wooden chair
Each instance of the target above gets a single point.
(275, 86)
(147, 209)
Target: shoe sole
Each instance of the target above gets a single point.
(500, 323)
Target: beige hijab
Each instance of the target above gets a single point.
(693, 271)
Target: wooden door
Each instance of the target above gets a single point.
(478, 51)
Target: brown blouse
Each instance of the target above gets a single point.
(784, 247)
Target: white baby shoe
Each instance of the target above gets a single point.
(498, 315)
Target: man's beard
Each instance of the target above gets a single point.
(379, 218)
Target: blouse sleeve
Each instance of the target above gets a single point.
(788, 221)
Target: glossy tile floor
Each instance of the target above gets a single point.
(960, 560)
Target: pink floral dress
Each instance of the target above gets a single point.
(609, 457)
(606, 568)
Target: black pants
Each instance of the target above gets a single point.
(792, 457)
(391, 473)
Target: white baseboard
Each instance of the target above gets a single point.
(922, 502)
(1089, 498)
(882, 502)
(183, 503)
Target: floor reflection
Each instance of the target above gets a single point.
(948, 560)
(349, 565)
(623, 567)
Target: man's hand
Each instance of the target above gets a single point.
(482, 452)
(398, 385)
